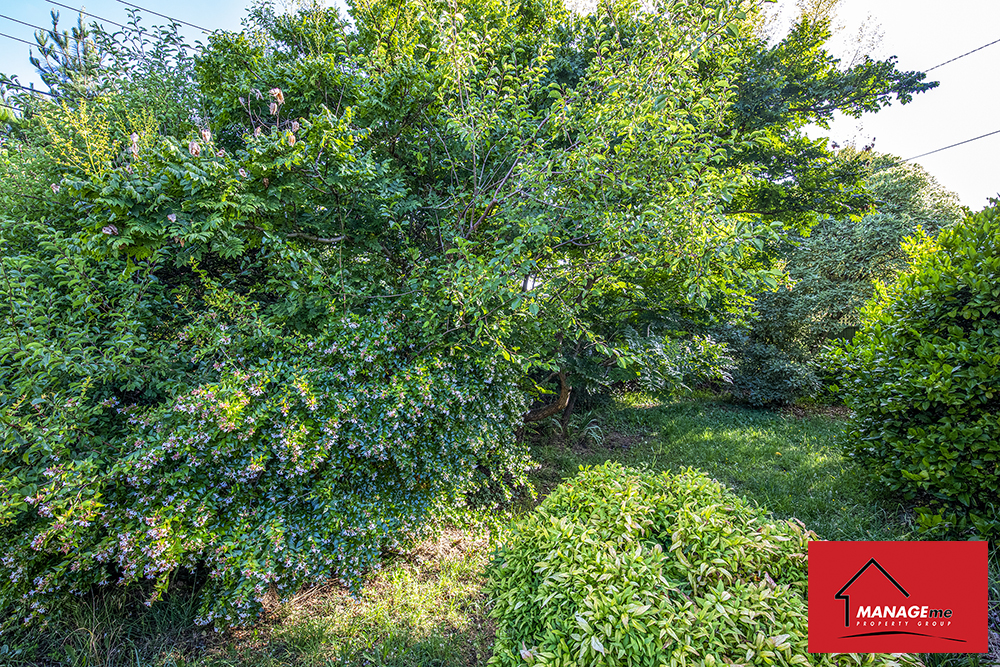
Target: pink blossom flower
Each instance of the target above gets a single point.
(291, 139)
(274, 108)
(277, 95)
(242, 172)
(110, 230)
(206, 134)
(220, 153)
(295, 126)
(194, 148)
(172, 217)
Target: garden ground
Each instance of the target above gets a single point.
(426, 607)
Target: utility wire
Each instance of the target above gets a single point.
(204, 30)
(997, 41)
(95, 16)
(10, 107)
(18, 39)
(988, 134)
(30, 90)
(30, 25)
(150, 11)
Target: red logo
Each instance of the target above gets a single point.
(898, 597)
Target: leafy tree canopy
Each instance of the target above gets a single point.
(795, 83)
(234, 277)
(833, 270)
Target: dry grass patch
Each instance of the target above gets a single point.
(425, 607)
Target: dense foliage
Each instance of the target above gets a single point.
(189, 239)
(303, 458)
(625, 567)
(781, 87)
(832, 271)
(262, 325)
(922, 376)
(788, 84)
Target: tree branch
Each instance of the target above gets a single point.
(303, 235)
(559, 405)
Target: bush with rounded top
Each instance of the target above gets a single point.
(304, 461)
(625, 567)
(923, 377)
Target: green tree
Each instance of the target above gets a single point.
(295, 320)
(563, 165)
(837, 265)
(784, 88)
(789, 181)
(833, 270)
(69, 62)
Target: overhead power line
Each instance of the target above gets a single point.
(10, 107)
(30, 25)
(94, 16)
(981, 136)
(30, 90)
(169, 18)
(18, 39)
(996, 41)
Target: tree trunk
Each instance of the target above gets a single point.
(568, 412)
(538, 414)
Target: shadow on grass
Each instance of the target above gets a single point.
(791, 465)
(424, 608)
(110, 627)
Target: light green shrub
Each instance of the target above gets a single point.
(625, 567)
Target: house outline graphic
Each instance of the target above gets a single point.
(847, 598)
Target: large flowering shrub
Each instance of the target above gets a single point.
(289, 469)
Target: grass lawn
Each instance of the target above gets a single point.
(787, 462)
(426, 608)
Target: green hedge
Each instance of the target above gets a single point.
(625, 567)
(923, 377)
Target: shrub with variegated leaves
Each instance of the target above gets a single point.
(626, 567)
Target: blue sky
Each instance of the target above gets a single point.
(922, 33)
(224, 14)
